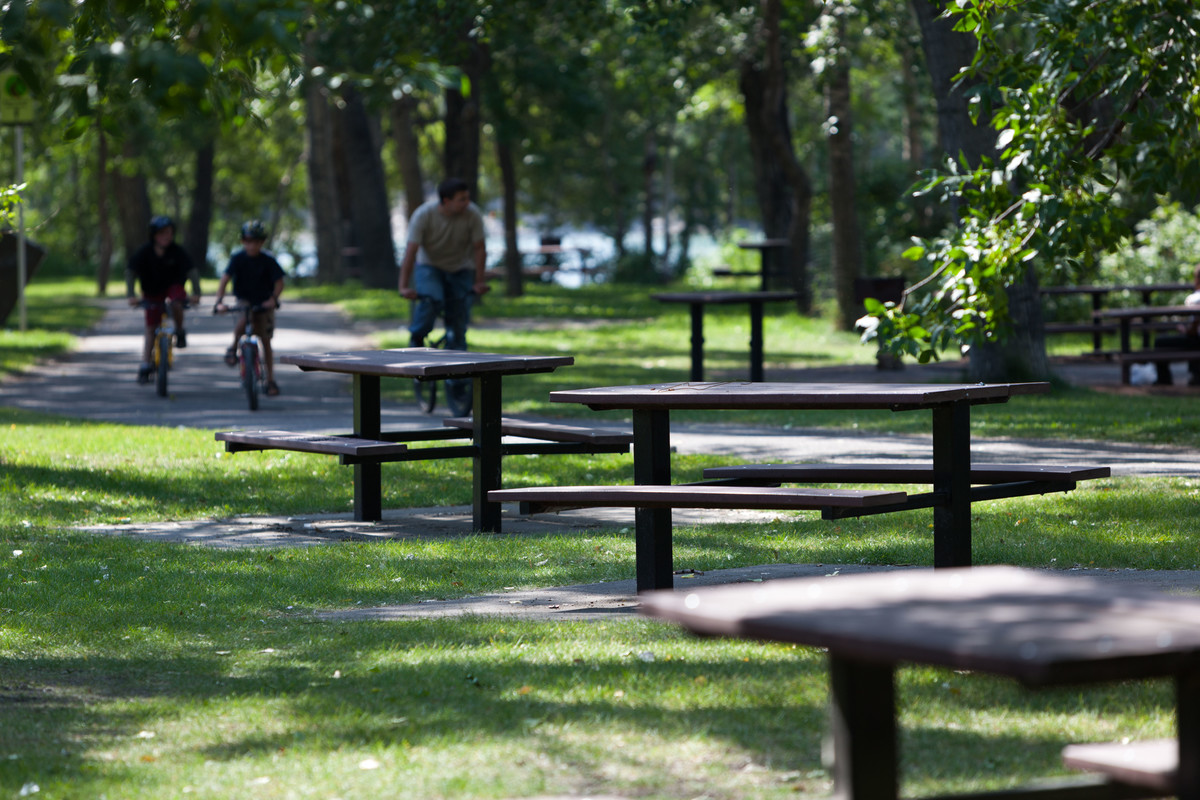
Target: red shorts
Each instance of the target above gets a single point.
(177, 293)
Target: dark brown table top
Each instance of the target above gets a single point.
(1148, 311)
(770, 395)
(1130, 287)
(722, 297)
(425, 362)
(1036, 627)
(764, 244)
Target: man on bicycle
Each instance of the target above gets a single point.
(163, 268)
(257, 281)
(444, 262)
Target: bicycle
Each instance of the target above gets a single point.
(460, 393)
(251, 365)
(162, 351)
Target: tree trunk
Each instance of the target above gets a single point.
(133, 200)
(322, 184)
(784, 189)
(464, 122)
(514, 285)
(407, 149)
(195, 239)
(847, 242)
(947, 52)
(368, 194)
(104, 258)
(649, 170)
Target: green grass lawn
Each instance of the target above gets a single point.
(133, 669)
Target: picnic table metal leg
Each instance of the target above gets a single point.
(756, 341)
(1097, 337)
(952, 482)
(1126, 347)
(863, 730)
(368, 477)
(486, 466)
(1187, 721)
(652, 526)
(697, 373)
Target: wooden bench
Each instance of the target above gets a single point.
(1156, 356)
(989, 481)
(1150, 766)
(349, 449)
(916, 472)
(551, 431)
(727, 272)
(539, 499)
(1080, 327)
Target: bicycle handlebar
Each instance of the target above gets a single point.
(224, 308)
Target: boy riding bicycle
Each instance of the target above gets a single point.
(444, 259)
(257, 281)
(162, 268)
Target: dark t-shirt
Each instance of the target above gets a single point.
(158, 273)
(253, 277)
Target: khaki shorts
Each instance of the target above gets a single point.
(264, 323)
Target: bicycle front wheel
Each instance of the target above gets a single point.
(162, 363)
(249, 374)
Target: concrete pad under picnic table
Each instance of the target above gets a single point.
(613, 599)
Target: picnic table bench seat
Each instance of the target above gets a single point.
(989, 481)
(552, 431)
(1154, 356)
(1150, 765)
(1081, 327)
(350, 449)
(915, 472)
(539, 499)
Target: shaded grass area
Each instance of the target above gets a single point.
(133, 669)
(54, 312)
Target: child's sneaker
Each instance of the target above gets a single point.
(181, 338)
(144, 373)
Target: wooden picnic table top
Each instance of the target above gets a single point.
(778, 396)
(764, 244)
(715, 297)
(1039, 628)
(425, 362)
(1128, 287)
(1149, 311)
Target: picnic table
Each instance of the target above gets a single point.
(368, 447)
(1039, 628)
(951, 472)
(765, 248)
(1098, 293)
(697, 301)
(1126, 318)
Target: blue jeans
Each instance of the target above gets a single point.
(446, 294)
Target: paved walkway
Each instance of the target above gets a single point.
(97, 382)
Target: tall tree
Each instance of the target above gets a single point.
(784, 188)
(1093, 111)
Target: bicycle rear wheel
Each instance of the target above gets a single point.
(426, 392)
(249, 373)
(460, 396)
(162, 362)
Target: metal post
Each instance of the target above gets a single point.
(21, 266)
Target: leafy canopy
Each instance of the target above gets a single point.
(1096, 109)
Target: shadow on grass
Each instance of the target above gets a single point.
(468, 683)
